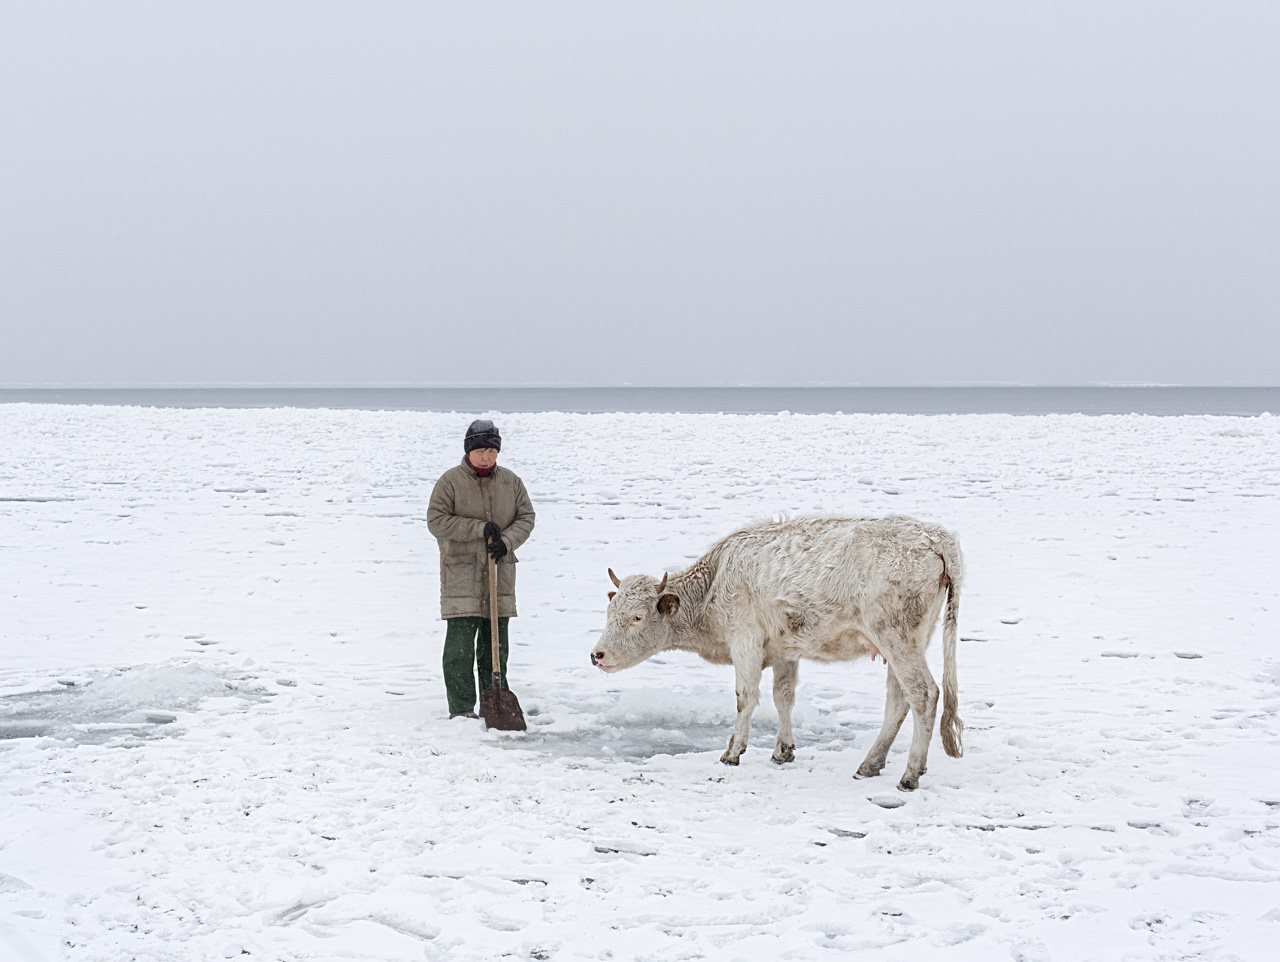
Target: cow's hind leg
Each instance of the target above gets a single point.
(895, 711)
(784, 697)
(921, 693)
(748, 663)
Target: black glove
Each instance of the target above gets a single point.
(497, 548)
(491, 531)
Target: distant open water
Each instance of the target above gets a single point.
(1164, 401)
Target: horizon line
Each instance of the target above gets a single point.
(553, 385)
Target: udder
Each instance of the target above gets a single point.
(846, 646)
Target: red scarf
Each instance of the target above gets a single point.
(481, 472)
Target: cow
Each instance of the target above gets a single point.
(824, 588)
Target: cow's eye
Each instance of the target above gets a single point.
(638, 618)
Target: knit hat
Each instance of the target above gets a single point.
(482, 434)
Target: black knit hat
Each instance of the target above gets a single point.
(482, 434)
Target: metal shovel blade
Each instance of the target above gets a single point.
(501, 709)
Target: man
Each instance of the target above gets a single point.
(476, 507)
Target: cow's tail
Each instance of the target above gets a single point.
(950, 726)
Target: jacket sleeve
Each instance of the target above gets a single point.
(444, 524)
(517, 533)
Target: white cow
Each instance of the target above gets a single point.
(826, 588)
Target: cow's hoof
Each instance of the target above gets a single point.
(727, 759)
(909, 783)
(869, 771)
(784, 754)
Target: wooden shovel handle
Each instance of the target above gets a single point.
(493, 620)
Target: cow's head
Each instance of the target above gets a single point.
(637, 624)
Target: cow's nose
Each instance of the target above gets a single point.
(596, 657)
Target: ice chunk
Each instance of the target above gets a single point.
(887, 801)
(845, 833)
(11, 883)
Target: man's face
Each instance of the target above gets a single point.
(484, 458)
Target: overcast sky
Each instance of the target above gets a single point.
(645, 193)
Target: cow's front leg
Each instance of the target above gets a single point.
(785, 674)
(748, 663)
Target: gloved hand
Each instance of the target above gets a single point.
(491, 532)
(497, 548)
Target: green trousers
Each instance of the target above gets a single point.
(462, 649)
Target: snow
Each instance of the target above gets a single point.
(223, 731)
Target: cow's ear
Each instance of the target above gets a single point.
(668, 605)
(611, 594)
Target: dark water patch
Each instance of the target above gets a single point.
(24, 728)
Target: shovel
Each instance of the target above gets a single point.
(498, 705)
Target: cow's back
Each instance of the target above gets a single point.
(828, 555)
(823, 586)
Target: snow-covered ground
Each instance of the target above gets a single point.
(223, 730)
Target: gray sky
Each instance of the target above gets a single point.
(646, 193)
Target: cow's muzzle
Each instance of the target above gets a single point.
(597, 658)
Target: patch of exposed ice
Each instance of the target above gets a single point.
(107, 703)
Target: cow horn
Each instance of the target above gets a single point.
(614, 579)
(663, 586)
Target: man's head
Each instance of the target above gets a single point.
(482, 443)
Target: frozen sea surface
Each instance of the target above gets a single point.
(223, 731)
(1035, 400)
